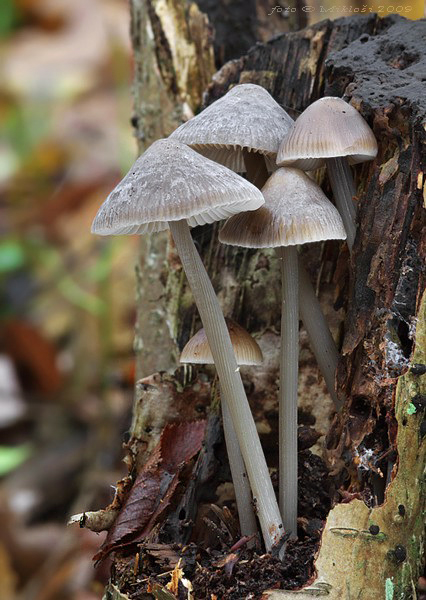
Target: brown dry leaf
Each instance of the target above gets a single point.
(34, 355)
(155, 485)
(163, 554)
(136, 512)
(160, 401)
(179, 443)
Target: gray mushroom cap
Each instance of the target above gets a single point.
(328, 128)
(246, 117)
(171, 182)
(296, 211)
(246, 349)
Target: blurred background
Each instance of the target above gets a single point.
(66, 297)
(67, 307)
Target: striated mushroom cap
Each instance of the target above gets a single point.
(296, 211)
(246, 349)
(328, 128)
(246, 117)
(171, 182)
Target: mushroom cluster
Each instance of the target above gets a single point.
(194, 178)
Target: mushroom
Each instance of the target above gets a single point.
(245, 347)
(237, 130)
(240, 131)
(247, 352)
(296, 211)
(172, 186)
(333, 131)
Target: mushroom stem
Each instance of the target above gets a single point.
(343, 186)
(257, 172)
(289, 355)
(320, 337)
(231, 384)
(243, 495)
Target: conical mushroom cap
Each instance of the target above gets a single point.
(246, 117)
(296, 211)
(328, 128)
(171, 182)
(246, 349)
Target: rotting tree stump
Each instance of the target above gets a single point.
(374, 299)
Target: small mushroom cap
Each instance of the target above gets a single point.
(246, 349)
(171, 182)
(246, 117)
(328, 128)
(296, 211)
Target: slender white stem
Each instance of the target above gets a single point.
(319, 333)
(289, 371)
(343, 186)
(231, 384)
(243, 497)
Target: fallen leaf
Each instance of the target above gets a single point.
(155, 485)
(33, 355)
(163, 554)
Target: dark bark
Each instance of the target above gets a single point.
(240, 24)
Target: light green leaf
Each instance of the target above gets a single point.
(13, 456)
(12, 256)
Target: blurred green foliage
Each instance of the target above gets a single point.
(12, 457)
(12, 255)
(10, 17)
